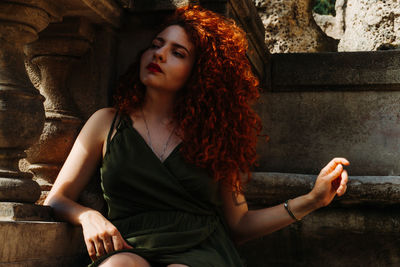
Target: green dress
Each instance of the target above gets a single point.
(169, 211)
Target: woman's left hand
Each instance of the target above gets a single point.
(331, 180)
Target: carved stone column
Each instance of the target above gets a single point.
(49, 62)
(21, 108)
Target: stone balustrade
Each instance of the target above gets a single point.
(45, 121)
(22, 113)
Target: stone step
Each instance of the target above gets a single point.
(44, 244)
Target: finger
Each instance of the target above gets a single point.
(118, 242)
(108, 244)
(91, 249)
(343, 184)
(342, 180)
(332, 165)
(335, 173)
(343, 161)
(341, 190)
(98, 243)
(126, 245)
(345, 177)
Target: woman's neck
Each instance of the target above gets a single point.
(158, 106)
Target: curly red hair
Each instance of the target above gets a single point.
(217, 125)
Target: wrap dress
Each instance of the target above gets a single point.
(170, 211)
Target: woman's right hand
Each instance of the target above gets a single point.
(101, 236)
(331, 181)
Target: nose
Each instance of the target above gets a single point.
(160, 54)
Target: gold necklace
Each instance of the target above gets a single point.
(160, 156)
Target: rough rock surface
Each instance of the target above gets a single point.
(333, 26)
(359, 25)
(290, 27)
(371, 25)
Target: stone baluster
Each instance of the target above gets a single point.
(49, 61)
(21, 108)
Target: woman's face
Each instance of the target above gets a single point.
(168, 62)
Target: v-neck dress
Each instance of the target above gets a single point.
(170, 211)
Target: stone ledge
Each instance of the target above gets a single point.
(45, 244)
(345, 71)
(12, 211)
(270, 188)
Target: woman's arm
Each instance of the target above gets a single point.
(246, 225)
(100, 235)
(78, 168)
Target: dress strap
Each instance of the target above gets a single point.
(112, 128)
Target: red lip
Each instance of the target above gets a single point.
(153, 67)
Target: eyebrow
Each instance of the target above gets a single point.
(174, 44)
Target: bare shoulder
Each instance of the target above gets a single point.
(100, 121)
(103, 114)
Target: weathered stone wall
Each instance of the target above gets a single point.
(307, 129)
(322, 105)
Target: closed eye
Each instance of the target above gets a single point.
(178, 54)
(153, 46)
(160, 40)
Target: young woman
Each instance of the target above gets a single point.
(175, 152)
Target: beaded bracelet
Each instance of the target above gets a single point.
(286, 205)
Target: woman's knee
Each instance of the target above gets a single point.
(124, 259)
